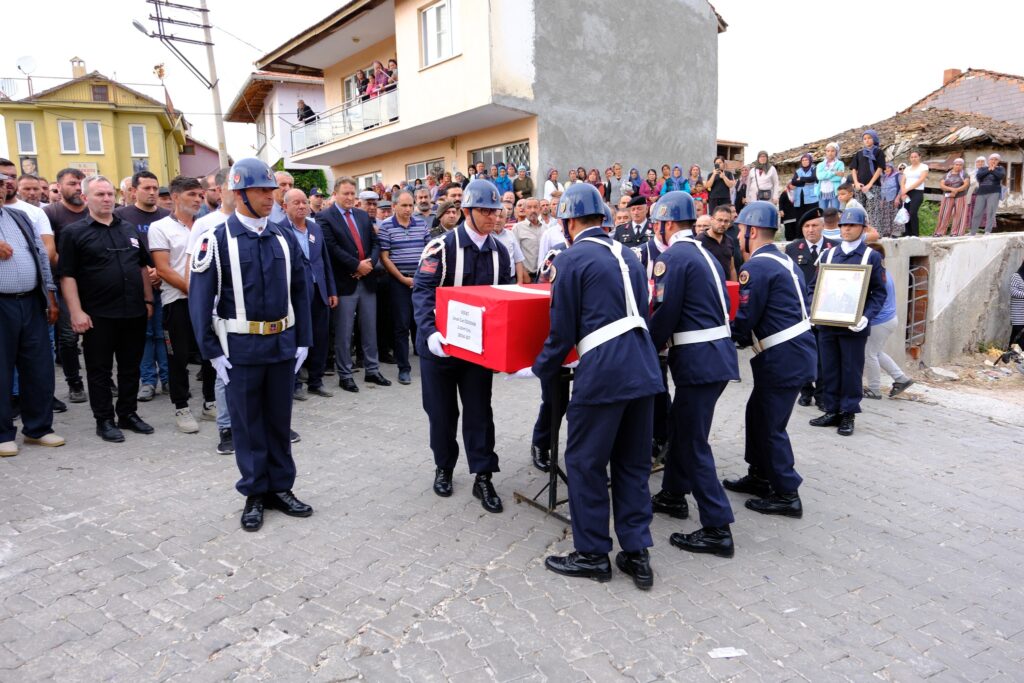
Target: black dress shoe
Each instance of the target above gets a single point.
(581, 565)
(484, 490)
(293, 436)
(76, 393)
(388, 358)
(786, 504)
(348, 384)
(320, 391)
(59, 406)
(804, 400)
(541, 458)
(443, 482)
(377, 379)
(106, 430)
(671, 504)
(846, 421)
(286, 502)
(751, 484)
(713, 540)
(638, 565)
(826, 420)
(134, 423)
(252, 514)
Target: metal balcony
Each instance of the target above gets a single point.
(346, 120)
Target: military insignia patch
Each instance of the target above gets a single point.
(660, 268)
(744, 277)
(562, 207)
(662, 212)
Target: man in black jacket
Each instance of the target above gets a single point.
(638, 230)
(352, 245)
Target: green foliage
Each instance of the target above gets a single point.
(928, 217)
(307, 180)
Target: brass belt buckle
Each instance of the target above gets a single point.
(254, 328)
(272, 328)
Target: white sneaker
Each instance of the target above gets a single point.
(52, 440)
(8, 448)
(209, 412)
(185, 421)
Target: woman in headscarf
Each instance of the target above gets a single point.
(763, 184)
(649, 186)
(831, 172)
(594, 178)
(866, 168)
(666, 173)
(551, 185)
(635, 179)
(804, 186)
(378, 81)
(693, 177)
(573, 178)
(1017, 306)
(889, 203)
(979, 164)
(954, 200)
(674, 182)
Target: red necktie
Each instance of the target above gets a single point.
(355, 234)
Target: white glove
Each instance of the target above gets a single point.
(525, 373)
(861, 324)
(221, 365)
(434, 343)
(571, 365)
(300, 357)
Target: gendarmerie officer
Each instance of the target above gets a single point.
(257, 337)
(691, 316)
(842, 348)
(467, 255)
(638, 229)
(772, 317)
(805, 252)
(599, 305)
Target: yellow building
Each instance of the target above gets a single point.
(94, 124)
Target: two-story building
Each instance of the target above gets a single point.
(94, 124)
(546, 84)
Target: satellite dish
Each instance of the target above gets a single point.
(26, 65)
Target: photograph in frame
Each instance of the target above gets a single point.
(839, 294)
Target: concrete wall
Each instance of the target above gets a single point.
(600, 70)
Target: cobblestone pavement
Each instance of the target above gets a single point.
(126, 562)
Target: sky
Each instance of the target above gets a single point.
(788, 73)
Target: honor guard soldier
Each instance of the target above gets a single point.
(691, 316)
(805, 253)
(772, 317)
(599, 305)
(258, 337)
(467, 255)
(842, 348)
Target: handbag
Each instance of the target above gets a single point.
(762, 195)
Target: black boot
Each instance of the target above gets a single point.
(671, 504)
(541, 458)
(638, 565)
(484, 490)
(785, 504)
(846, 424)
(252, 513)
(107, 431)
(750, 484)
(713, 540)
(826, 420)
(443, 482)
(582, 565)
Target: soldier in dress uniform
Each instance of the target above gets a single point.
(638, 229)
(467, 255)
(804, 253)
(691, 317)
(842, 348)
(772, 317)
(599, 305)
(258, 336)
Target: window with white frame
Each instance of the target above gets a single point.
(137, 140)
(437, 31)
(93, 137)
(68, 137)
(420, 170)
(366, 182)
(26, 137)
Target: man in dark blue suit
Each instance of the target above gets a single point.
(638, 230)
(352, 245)
(842, 348)
(599, 304)
(250, 273)
(691, 315)
(772, 317)
(321, 289)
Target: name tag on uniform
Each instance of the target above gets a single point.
(312, 238)
(134, 241)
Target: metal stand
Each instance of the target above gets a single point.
(556, 390)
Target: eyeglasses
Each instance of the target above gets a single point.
(486, 212)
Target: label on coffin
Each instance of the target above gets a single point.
(465, 327)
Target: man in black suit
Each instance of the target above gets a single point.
(352, 245)
(805, 253)
(638, 230)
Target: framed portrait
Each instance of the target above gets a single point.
(839, 294)
(29, 166)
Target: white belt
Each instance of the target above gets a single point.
(239, 324)
(633, 320)
(697, 336)
(263, 327)
(714, 333)
(785, 335)
(792, 331)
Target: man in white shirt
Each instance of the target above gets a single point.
(40, 222)
(168, 244)
(528, 233)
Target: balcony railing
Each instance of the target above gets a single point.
(346, 120)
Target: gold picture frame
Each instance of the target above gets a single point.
(839, 294)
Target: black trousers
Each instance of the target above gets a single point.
(814, 389)
(316, 362)
(403, 323)
(67, 346)
(181, 343)
(916, 198)
(25, 345)
(110, 338)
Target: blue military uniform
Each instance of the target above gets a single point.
(805, 256)
(841, 349)
(276, 299)
(542, 427)
(648, 253)
(691, 312)
(772, 317)
(444, 380)
(610, 413)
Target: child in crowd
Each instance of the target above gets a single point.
(845, 196)
(700, 199)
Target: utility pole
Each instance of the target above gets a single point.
(169, 39)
